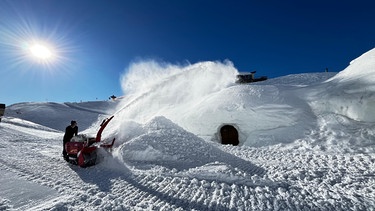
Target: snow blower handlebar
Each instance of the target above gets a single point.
(102, 126)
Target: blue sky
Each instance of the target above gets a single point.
(95, 41)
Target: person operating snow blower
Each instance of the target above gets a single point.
(81, 149)
(70, 131)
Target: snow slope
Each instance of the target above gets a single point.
(57, 115)
(306, 143)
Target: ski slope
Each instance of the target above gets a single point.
(307, 142)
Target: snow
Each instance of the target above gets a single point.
(307, 142)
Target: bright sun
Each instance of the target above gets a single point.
(41, 52)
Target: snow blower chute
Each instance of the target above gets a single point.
(81, 150)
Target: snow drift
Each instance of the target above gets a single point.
(351, 92)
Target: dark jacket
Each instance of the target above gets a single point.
(70, 132)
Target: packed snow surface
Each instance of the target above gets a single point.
(306, 142)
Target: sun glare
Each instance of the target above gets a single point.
(32, 44)
(41, 51)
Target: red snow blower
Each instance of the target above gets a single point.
(81, 150)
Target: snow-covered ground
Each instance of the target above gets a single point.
(307, 142)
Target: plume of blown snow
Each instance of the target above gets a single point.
(155, 89)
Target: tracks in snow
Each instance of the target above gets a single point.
(293, 180)
(320, 180)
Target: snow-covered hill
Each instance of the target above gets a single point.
(58, 115)
(306, 142)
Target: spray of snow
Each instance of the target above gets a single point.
(153, 89)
